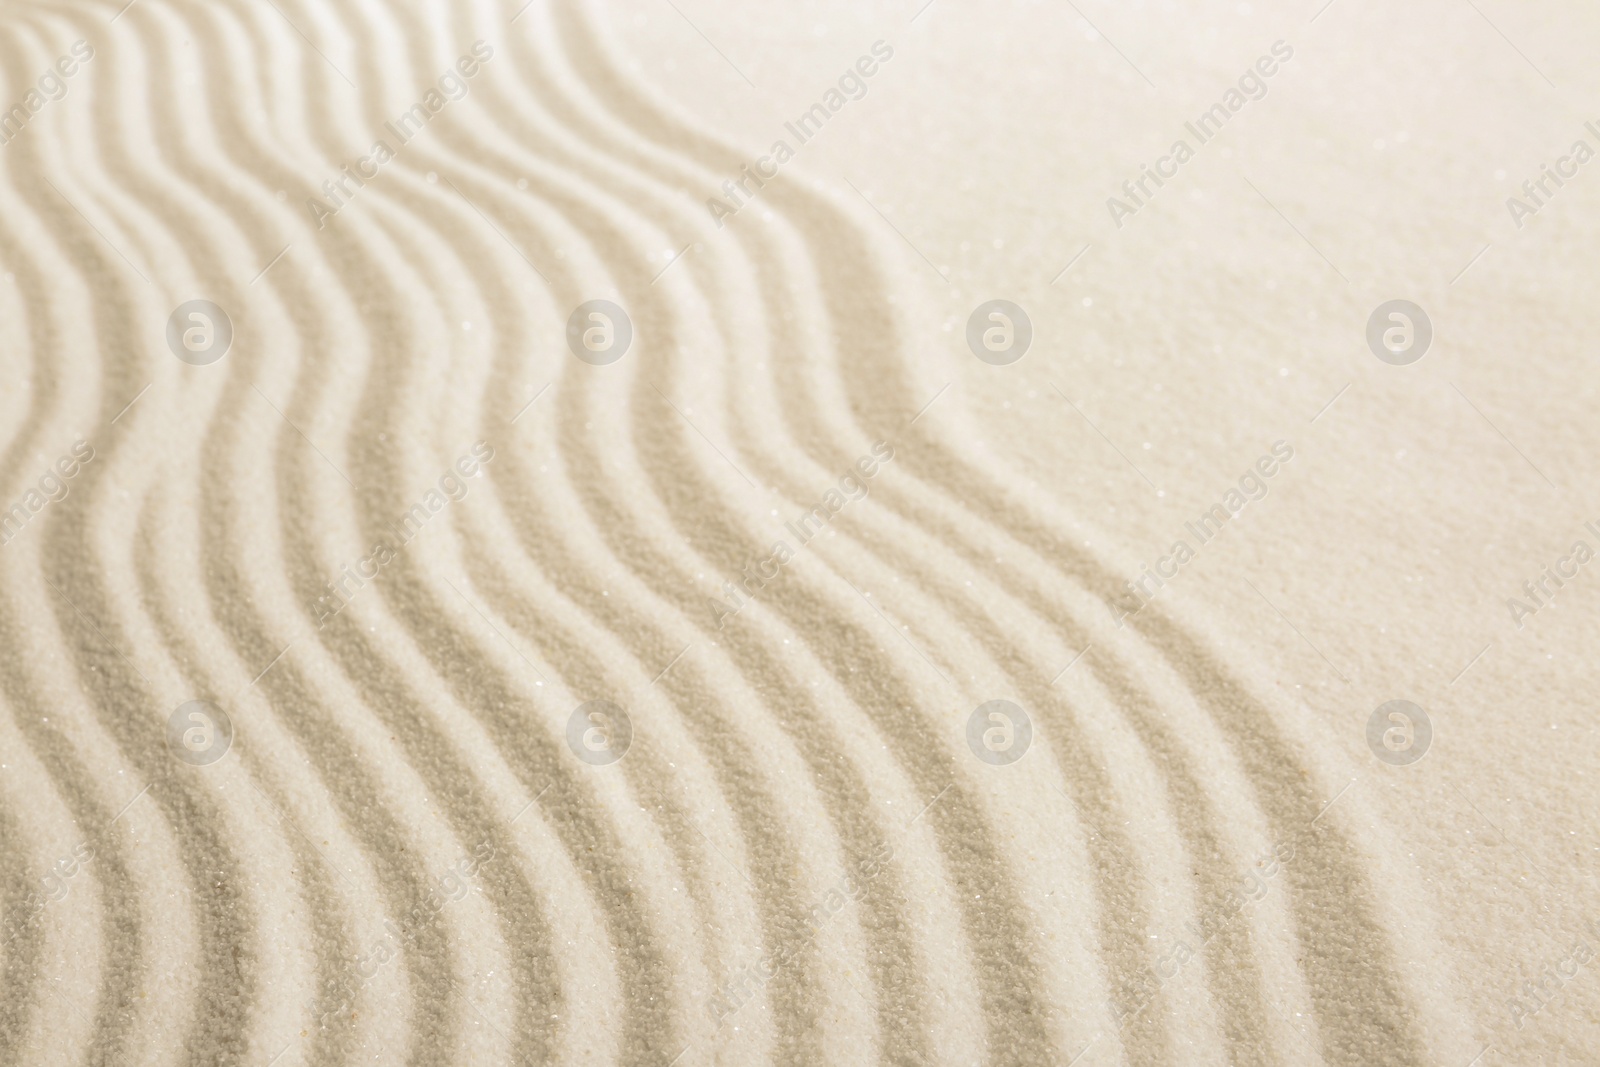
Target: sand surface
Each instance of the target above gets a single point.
(527, 537)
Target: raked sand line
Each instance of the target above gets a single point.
(22, 933)
(591, 591)
(231, 950)
(220, 984)
(416, 722)
(690, 608)
(433, 1038)
(30, 614)
(1379, 1019)
(24, 900)
(844, 672)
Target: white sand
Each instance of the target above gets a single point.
(407, 526)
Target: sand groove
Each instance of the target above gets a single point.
(240, 909)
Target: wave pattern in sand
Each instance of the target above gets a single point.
(396, 535)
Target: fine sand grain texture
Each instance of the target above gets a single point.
(680, 533)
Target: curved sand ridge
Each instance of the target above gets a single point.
(401, 859)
